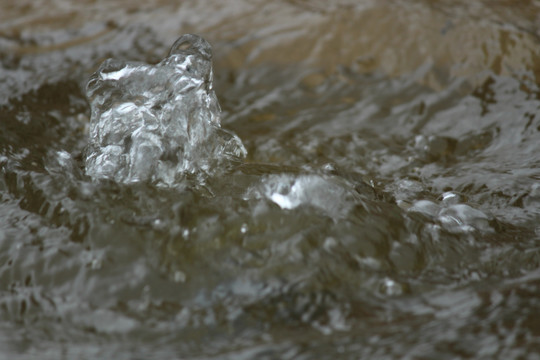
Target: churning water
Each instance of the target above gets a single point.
(369, 187)
(157, 123)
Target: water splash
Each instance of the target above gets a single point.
(158, 122)
(332, 195)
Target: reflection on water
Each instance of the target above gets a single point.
(387, 207)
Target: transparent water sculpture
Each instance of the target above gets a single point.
(157, 123)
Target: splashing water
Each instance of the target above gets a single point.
(388, 207)
(158, 122)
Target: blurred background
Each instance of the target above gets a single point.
(405, 133)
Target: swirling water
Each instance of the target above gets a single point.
(387, 206)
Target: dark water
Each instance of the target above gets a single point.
(388, 207)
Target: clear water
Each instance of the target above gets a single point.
(387, 206)
(157, 123)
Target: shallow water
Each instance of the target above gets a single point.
(388, 206)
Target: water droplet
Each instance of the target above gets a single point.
(244, 228)
(451, 198)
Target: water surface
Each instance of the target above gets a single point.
(387, 207)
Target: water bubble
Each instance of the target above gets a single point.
(464, 218)
(244, 228)
(159, 224)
